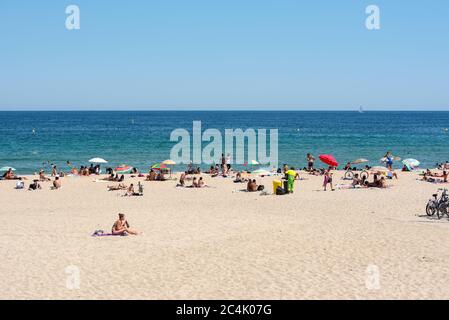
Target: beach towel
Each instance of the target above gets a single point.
(100, 233)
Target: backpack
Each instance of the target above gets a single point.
(280, 191)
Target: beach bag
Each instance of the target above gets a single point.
(20, 185)
(260, 188)
(280, 191)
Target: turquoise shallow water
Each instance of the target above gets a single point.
(142, 138)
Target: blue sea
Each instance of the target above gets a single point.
(33, 140)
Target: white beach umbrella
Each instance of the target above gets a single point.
(98, 160)
(411, 162)
(361, 160)
(7, 168)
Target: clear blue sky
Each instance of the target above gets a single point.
(286, 54)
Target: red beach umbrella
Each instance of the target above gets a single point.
(329, 160)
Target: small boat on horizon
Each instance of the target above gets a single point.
(361, 109)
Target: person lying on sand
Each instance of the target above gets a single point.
(109, 178)
(9, 175)
(120, 186)
(121, 226)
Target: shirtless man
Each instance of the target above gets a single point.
(42, 176)
(56, 183)
(121, 226)
(252, 186)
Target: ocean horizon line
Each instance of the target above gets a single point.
(224, 110)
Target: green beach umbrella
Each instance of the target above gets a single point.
(159, 166)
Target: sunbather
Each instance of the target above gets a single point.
(121, 226)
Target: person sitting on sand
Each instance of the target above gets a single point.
(130, 191)
(356, 181)
(151, 175)
(35, 185)
(160, 176)
(239, 179)
(252, 186)
(201, 183)
(347, 166)
(121, 226)
(42, 176)
(382, 183)
(182, 180)
(56, 183)
(194, 183)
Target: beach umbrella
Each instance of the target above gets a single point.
(168, 162)
(7, 168)
(329, 160)
(123, 168)
(159, 166)
(411, 162)
(361, 160)
(379, 169)
(97, 160)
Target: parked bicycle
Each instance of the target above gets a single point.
(349, 174)
(440, 205)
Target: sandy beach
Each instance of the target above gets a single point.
(221, 243)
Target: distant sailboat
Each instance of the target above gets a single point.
(361, 109)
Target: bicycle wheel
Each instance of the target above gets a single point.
(430, 209)
(349, 175)
(442, 210)
(365, 174)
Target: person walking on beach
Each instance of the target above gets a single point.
(389, 160)
(310, 161)
(328, 180)
(121, 226)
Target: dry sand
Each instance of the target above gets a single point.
(219, 243)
